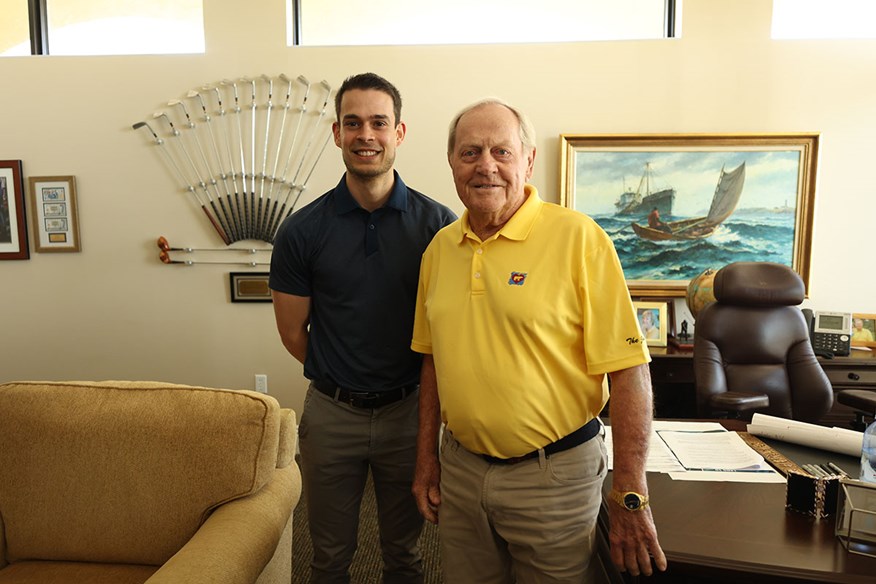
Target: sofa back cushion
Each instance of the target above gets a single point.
(125, 472)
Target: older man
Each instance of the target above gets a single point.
(522, 310)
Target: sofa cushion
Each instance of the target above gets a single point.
(125, 472)
(67, 572)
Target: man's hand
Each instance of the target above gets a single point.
(426, 489)
(633, 539)
(427, 472)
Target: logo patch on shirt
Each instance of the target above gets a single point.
(517, 278)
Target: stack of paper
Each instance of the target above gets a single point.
(701, 451)
(812, 435)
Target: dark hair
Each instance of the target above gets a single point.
(370, 81)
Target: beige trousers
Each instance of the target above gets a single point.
(339, 445)
(533, 522)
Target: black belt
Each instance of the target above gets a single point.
(576, 438)
(364, 399)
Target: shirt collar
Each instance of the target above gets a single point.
(518, 227)
(398, 198)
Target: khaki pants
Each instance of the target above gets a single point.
(339, 443)
(533, 522)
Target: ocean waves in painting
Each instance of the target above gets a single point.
(748, 235)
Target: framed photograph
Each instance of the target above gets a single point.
(250, 287)
(54, 213)
(864, 330)
(13, 227)
(677, 204)
(654, 321)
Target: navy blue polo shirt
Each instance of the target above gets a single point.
(360, 270)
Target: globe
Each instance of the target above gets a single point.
(700, 291)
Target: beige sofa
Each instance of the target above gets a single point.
(131, 482)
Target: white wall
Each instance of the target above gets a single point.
(115, 311)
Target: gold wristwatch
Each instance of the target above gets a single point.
(630, 500)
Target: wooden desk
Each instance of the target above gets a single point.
(740, 532)
(674, 385)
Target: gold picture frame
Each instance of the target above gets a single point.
(867, 325)
(54, 213)
(766, 181)
(654, 322)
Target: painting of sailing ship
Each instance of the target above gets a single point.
(724, 202)
(728, 203)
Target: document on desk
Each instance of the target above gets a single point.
(717, 456)
(702, 445)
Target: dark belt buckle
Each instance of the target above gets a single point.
(362, 399)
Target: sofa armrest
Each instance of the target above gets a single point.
(288, 438)
(238, 539)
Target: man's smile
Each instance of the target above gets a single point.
(367, 153)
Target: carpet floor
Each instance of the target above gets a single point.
(367, 563)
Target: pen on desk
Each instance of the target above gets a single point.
(837, 469)
(830, 472)
(814, 470)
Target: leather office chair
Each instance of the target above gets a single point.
(864, 404)
(752, 350)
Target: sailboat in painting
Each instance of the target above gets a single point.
(724, 202)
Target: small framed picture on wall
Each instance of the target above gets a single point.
(54, 212)
(13, 229)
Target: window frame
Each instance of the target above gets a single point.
(39, 27)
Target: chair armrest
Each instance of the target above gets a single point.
(738, 401)
(238, 539)
(859, 399)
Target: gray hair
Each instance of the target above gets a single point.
(527, 130)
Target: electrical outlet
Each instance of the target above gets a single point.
(261, 383)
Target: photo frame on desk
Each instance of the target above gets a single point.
(13, 226)
(654, 321)
(863, 330)
(55, 213)
(718, 198)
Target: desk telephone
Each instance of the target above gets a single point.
(830, 332)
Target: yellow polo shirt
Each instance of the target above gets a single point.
(524, 326)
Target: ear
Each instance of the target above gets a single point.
(336, 130)
(530, 163)
(400, 131)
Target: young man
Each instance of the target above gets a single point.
(344, 282)
(522, 311)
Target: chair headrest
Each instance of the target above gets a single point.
(758, 284)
